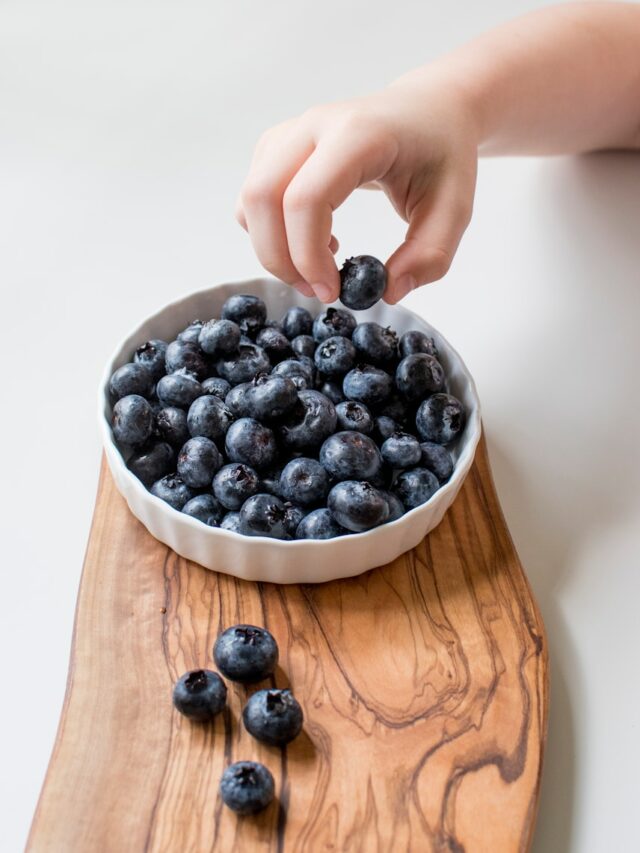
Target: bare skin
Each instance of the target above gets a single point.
(563, 80)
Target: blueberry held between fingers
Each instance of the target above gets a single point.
(401, 450)
(246, 653)
(178, 389)
(440, 418)
(367, 384)
(129, 379)
(333, 321)
(209, 416)
(349, 454)
(375, 344)
(416, 341)
(362, 282)
(415, 486)
(185, 355)
(270, 397)
(173, 490)
(200, 694)
(273, 716)
(217, 386)
(243, 365)
(247, 787)
(355, 416)
(153, 462)
(312, 419)
(252, 443)
(152, 355)
(198, 461)
(304, 481)
(132, 420)
(264, 515)
(297, 321)
(219, 337)
(234, 483)
(358, 505)
(419, 375)
(249, 312)
(437, 458)
(206, 509)
(171, 426)
(319, 524)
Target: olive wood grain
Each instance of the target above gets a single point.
(424, 684)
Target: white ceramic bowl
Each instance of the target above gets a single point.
(261, 558)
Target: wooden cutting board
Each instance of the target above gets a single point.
(424, 685)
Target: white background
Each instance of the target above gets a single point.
(125, 132)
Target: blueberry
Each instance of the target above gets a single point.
(440, 418)
(319, 524)
(293, 515)
(209, 416)
(275, 343)
(367, 384)
(252, 443)
(296, 370)
(178, 389)
(247, 787)
(273, 716)
(191, 333)
(398, 408)
(234, 483)
(311, 421)
(384, 427)
(437, 458)
(206, 509)
(219, 337)
(152, 355)
(358, 506)
(375, 344)
(401, 450)
(335, 356)
(334, 321)
(263, 515)
(270, 480)
(171, 425)
(346, 455)
(419, 375)
(352, 415)
(297, 321)
(303, 345)
(236, 400)
(132, 420)
(231, 521)
(304, 481)
(415, 486)
(186, 355)
(246, 653)
(130, 379)
(396, 507)
(362, 282)
(249, 312)
(273, 324)
(244, 365)
(332, 389)
(153, 462)
(217, 386)
(270, 397)
(415, 341)
(200, 694)
(173, 490)
(198, 461)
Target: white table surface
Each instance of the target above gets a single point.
(125, 132)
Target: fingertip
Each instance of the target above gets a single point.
(400, 286)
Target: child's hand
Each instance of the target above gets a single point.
(416, 143)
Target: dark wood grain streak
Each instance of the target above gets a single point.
(424, 685)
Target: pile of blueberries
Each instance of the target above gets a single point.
(298, 428)
(245, 654)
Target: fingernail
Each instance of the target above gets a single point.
(322, 291)
(406, 283)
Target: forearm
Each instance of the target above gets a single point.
(563, 80)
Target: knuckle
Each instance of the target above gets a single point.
(299, 197)
(440, 262)
(258, 193)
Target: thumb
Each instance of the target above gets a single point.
(436, 226)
